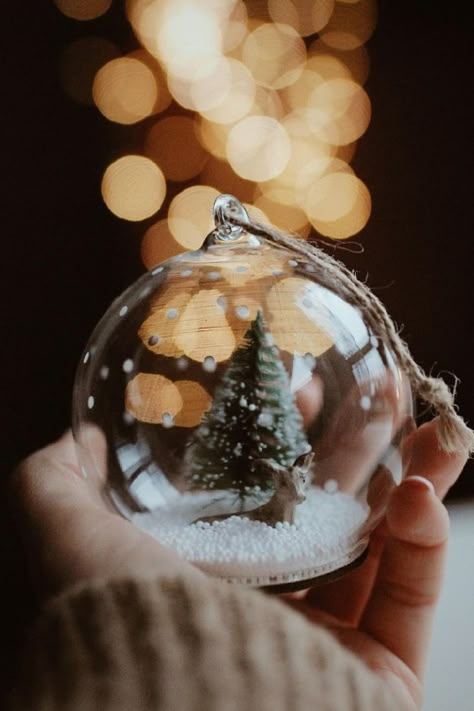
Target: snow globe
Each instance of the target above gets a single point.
(251, 419)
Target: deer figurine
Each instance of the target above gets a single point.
(290, 489)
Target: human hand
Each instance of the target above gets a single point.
(383, 611)
(69, 532)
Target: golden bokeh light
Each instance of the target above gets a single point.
(338, 205)
(173, 145)
(83, 9)
(352, 63)
(351, 24)
(305, 16)
(196, 400)
(235, 27)
(203, 330)
(190, 216)
(125, 90)
(290, 326)
(213, 136)
(220, 175)
(189, 39)
(164, 97)
(267, 103)
(313, 171)
(158, 330)
(304, 148)
(296, 95)
(150, 398)
(158, 244)
(205, 92)
(133, 187)
(258, 148)
(341, 111)
(238, 98)
(286, 216)
(275, 55)
(79, 64)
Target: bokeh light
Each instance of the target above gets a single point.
(83, 9)
(150, 397)
(258, 148)
(203, 330)
(190, 215)
(133, 187)
(125, 90)
(264, 101)
(164, 98)
(219, 174)
(158, 244)
(238, 98)
(351, 24)
(196, 400)
(338, 205)
(305, 16)
(275, 54)
(173, 144)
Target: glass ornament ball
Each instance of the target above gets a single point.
(249, 419)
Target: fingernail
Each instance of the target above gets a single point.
(421, 483)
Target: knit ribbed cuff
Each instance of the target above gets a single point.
(187, 645)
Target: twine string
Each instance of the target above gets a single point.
(453, 432)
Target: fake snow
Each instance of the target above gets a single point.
(324, 538)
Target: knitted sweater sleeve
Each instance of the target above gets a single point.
(187, 644)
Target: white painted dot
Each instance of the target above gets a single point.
(90, 402)
(253, 242)
(308, 303)
(123, 310)
(172, 313)
(86, 357)
(128, 418)
(186, 272)
(277, 272)
(292, 262)
(157, 270)
(214, 276)
(365, 402)
(182, 363)
(209, 364)
(242, 311)
(310, 267)
(144, 292)
(104, 372)
(241, 269)
(127, 365)
(331, 486)
(167, 420)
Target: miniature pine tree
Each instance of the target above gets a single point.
(253, 415)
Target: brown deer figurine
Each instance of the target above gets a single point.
(290, 484)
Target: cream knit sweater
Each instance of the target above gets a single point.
(187, 644)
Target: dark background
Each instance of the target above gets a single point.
(65, 257)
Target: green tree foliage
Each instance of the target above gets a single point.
(253, 415)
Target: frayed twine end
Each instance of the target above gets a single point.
(454, 434)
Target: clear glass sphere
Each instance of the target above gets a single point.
(243, 414)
